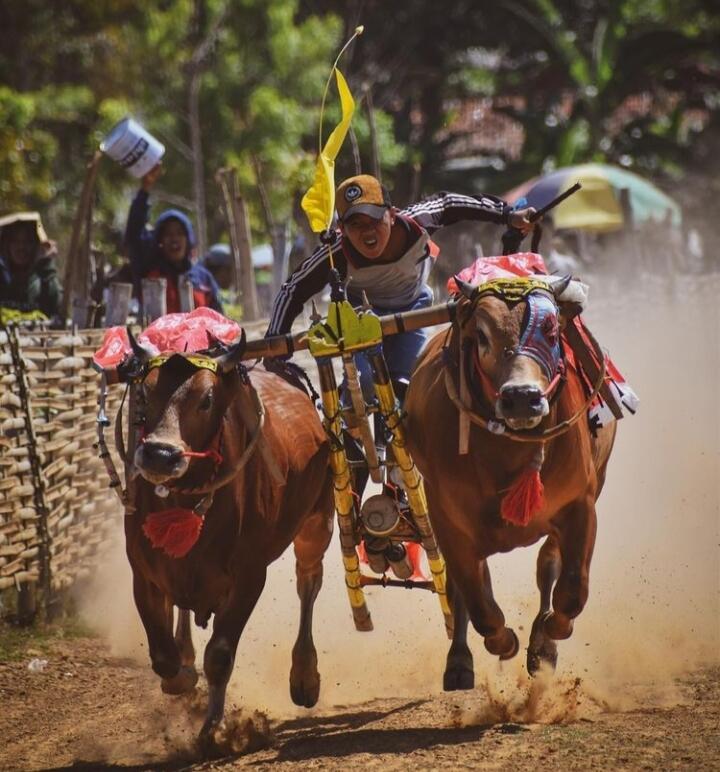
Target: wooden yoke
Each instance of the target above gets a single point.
(284, 345)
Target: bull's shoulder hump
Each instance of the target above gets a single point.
(292, 417)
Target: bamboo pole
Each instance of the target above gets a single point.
(154, 298)
(83, 217)
(118, 304)
(281, 345)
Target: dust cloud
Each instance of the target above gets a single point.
(653, 612)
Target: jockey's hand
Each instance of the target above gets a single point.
(521, 220)
(151, 177)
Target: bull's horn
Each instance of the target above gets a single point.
(229, 360)
(465, 288)
(559, 286)
(140, 352)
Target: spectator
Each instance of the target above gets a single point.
(166, 250)
(28, 275)
(219, 262)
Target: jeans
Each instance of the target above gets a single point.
(401, 350)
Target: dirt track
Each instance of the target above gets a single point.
(90, 710)
(637, 684)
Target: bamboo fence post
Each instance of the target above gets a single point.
(83, 217)
(154, 298)
(185, 291)
(118, 304)
(239, 229)
(249, 293)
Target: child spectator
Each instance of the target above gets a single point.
(166, 250)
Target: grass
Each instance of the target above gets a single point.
(37, 639)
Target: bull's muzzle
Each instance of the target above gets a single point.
(521, 406)
(160, 461)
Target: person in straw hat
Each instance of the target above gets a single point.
(28, 274)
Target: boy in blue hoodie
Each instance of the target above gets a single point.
(166, 250)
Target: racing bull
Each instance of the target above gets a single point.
(497, 426)
(231, 471)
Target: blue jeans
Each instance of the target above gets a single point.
(401, 350)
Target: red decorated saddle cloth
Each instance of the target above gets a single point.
(616, 396)
(193, 331)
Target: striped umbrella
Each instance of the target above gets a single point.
(596, 207)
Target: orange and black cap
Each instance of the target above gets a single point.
(363, 194)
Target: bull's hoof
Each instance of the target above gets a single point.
(181, 683)
(305, 690)
(505, 645)
(459, 672)
(542, 649)
(558, 627)
(458, 678)
(208, 746)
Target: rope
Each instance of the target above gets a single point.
(527, 436)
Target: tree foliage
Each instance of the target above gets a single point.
(630, 81)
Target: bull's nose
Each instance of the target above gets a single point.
(522, 401)
(161, 455)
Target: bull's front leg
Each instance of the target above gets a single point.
(156, 614)
(459, 670)
(471, 575)
(577, 526)
(542, 648)
(220, 651)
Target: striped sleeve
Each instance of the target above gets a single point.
(447, 208)
(309, 278)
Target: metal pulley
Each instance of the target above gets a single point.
(380, 515)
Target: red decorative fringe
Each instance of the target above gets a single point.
(524, 499)
(175, 531)
(414, 551)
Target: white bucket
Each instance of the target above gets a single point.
(132, 147)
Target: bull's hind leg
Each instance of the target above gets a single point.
(156, 613)
(220, 651)
(187, 676)
(542, 648)
(459, 671)
(576, 538)
(310, 545)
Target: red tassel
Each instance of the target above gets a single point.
(525, 497)
(175, 531)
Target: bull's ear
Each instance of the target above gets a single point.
(231, 358)
(571, 297)
(466, 289)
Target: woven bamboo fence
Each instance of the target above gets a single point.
(57, 513)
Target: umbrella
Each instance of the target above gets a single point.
(597, 207)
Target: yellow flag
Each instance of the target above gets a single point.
(319, 202)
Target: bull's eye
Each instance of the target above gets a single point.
(206, 401)
(482, 338)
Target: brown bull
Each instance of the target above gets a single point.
(512, 382)
(204, 447)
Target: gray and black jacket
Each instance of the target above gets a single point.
(389, 285)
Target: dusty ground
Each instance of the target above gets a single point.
(88, 709)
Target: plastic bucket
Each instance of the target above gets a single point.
(133, 147)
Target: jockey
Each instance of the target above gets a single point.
(166, 250)
(388, 254)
